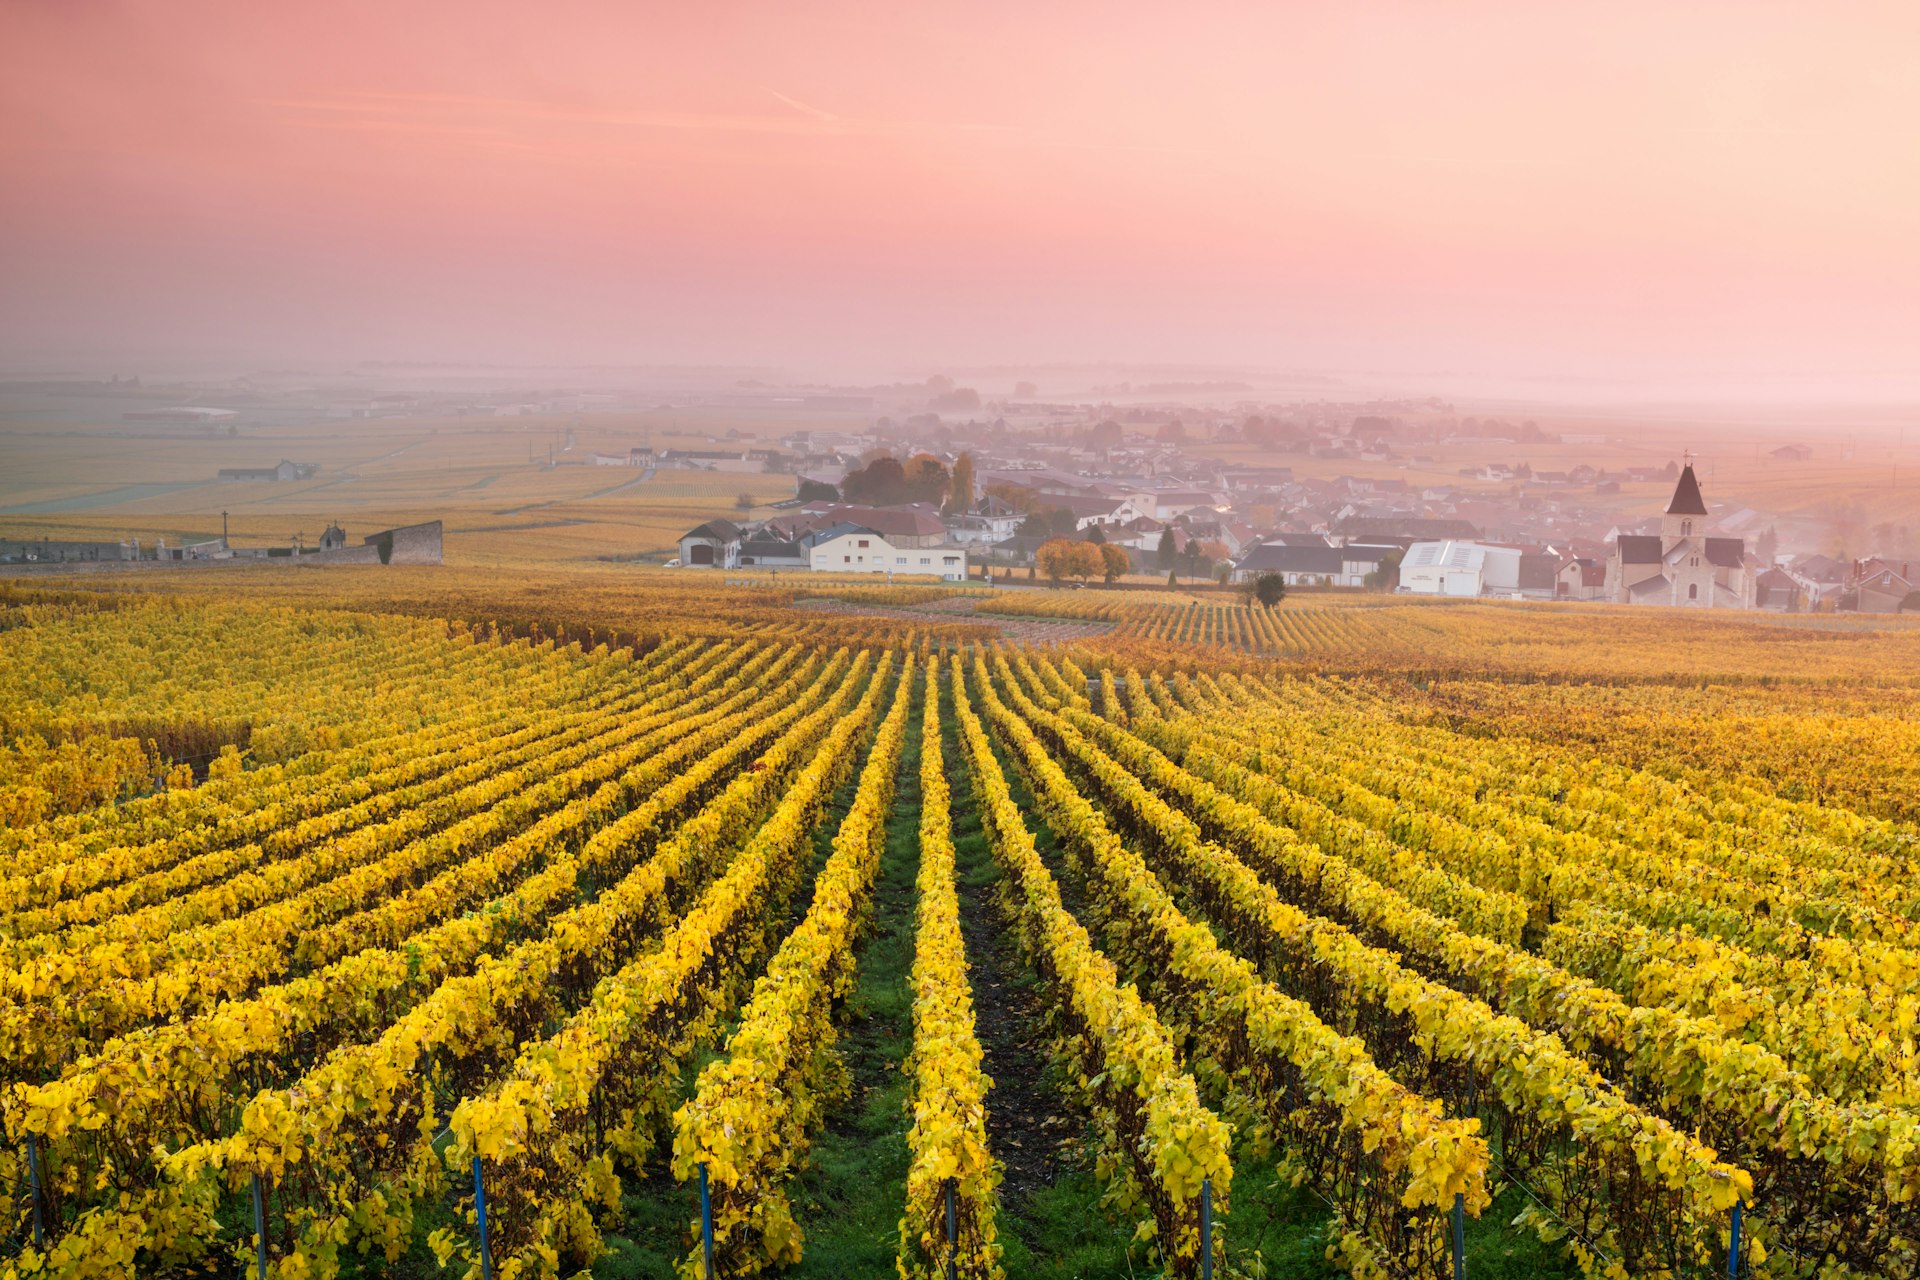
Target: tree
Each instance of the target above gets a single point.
(1063, 558)
(1172, 581)
(1017, 496)
(1269, 589)
(959, 399)
(1106, 435)
(1387, 576)
(960, 485)
(926, 479)
(1095, 536)
(1117, 562)
(1173, 433)
(880, 483)
(743, 502)
(1025, 390)
(1166, 549)
(817, 491)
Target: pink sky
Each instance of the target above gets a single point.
(1610, 189)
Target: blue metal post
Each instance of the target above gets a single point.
(1206, 1229)
(1733, 1243)
(480, 1220)
(1459, 1236)
(33, 1174)
(953, 1233)
(260, 1228)
(706, 1223)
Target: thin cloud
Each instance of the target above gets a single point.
(398, 111)
(802, 107)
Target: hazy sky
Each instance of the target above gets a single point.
(1611, 189)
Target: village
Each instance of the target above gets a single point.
(968, 503)
(1186, 481)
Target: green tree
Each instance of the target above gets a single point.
(1166, 549)
(1269, 589)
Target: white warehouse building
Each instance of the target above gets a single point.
(1459, 568)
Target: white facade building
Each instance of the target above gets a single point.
(1459, 568)
(864, 551)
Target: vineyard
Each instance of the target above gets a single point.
(718, 938)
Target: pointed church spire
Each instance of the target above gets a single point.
(1686, 496)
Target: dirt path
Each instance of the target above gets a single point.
(961, 609)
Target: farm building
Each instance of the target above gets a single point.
(1308, 565)
(852, 548)
(715, 543)
(282, 470)
(1454, 568)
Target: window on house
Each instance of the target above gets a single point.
(1693, 591)
(926, 560)
(1686, 528)
(862, 542)
(899, 559)
(846, 559)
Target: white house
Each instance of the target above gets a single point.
(851, 548)
(1307, 565)
(970, 529)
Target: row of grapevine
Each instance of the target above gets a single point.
(751, 1117)
(1164, 1146)
(1388, 1160)
(346, 1142)
(948, 1140)
(600, 1089)
(157, 1081)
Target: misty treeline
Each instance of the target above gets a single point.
(885, 481)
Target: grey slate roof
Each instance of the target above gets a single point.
(1269, 558)
(1639, 548)
(1727, 553)
(1686, 496)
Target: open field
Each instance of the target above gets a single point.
(1342, 918)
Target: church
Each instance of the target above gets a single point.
(1681, 565)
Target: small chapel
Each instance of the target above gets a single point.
(1681, 566)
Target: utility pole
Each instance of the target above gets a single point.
(224, 544)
